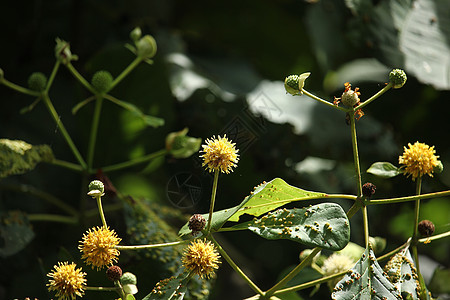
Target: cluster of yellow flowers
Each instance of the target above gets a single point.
(98, 245)
(419, 159)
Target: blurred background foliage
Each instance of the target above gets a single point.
(219, 69)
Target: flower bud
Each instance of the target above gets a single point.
(37, 81)
(378, 244)
(136, 34)
(368, 189)
(398, 78)
(425, 228)
(350, 98)
(439, 167)
(63, 53)
(114, 273)
(146, 47)
(102, 81)
(180, 145)
(96, 188)
(128, 278)
(295, 83)
(196, 223)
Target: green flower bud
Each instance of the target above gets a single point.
(102, 81)
(378, 244)
(398, 78)
(180, 145)
(63, 53)
(96, 187)
(37, 81)
(136, 34)
(128, 278)
(439, 168)
(146, 47)
(294, 83)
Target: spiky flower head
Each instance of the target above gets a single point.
(419, 159)
(67, 281)
(201, 258)
(220, 154)
(98, 247)
(398, 78)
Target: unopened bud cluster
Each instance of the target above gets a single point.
(102, 81)
(398, 78)
(196, 223)
(425, 228)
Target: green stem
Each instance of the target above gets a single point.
(135, 161)
(434, 237)
(380, 92)
(213, 200)
(52, 76)
(80, 78)
(101, 289)
(309, 284)
(358, 174)
(408, 198)
(67, 165)
(293, 273)
(52, 218)
(19, 88)
(414, 238)
(125, 72)
(63, 130)
(395, 251)
(94, 130)
(100, 210)
(354, 209)
(235, 267)
(106, 208)
(323, 101)
(138, 247)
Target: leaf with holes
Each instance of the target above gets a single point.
(365, 281)
(324, 225)
(173, 288)
(264, 198)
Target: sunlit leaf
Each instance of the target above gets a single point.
(365, 281)
(274, 194)
(324, 225)
(384, 169)
(18, 157)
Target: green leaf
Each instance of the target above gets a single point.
(264, 198)
(402, 273)
(384, 169)
(365, 281)
(18, 157)
(173, 288)
(274, 194)
(15, 233)
(324, 225)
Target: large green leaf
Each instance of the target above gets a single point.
(410, 34)
(365, 281)
(324, 225)
(18, 157)
(264, 198)
(274, 194)
(173, 288)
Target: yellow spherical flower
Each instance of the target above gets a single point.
(220, 154)
(67, 281)
(201, 258)
(419, 159)
(98, 247)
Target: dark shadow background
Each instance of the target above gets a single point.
(236, 46)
